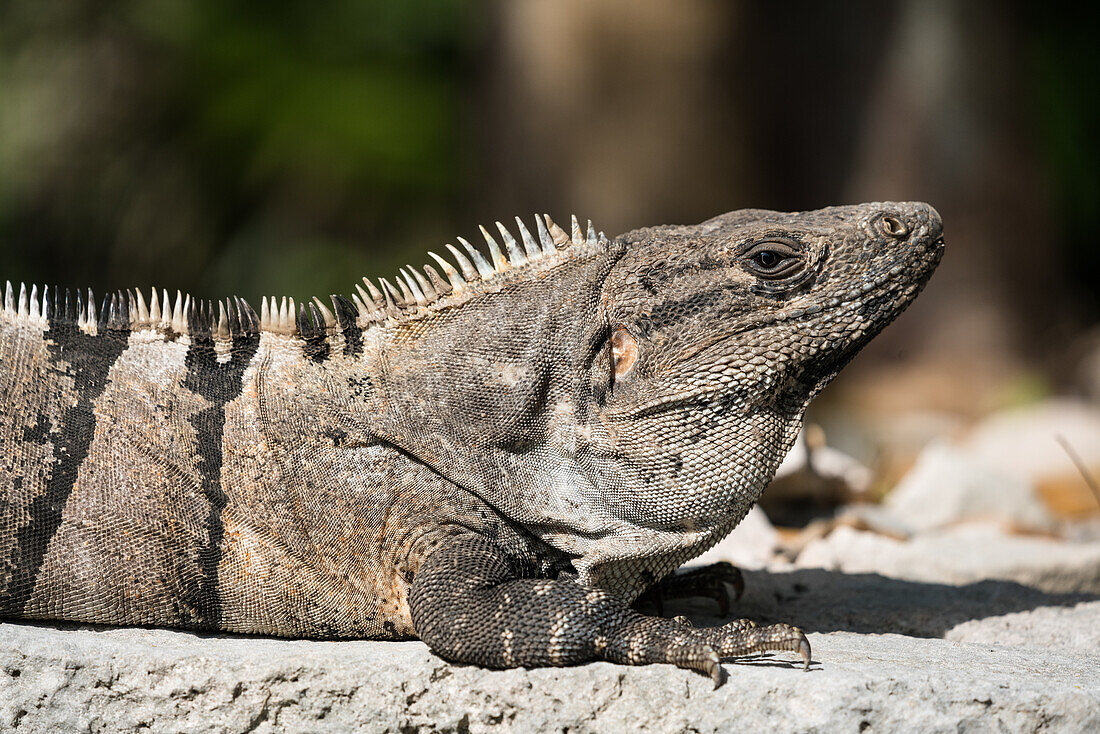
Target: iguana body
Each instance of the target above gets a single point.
(498, 461)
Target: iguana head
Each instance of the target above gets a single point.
(761, 304)
(720, 334)
(626, 401)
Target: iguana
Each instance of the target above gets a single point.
(497, 459)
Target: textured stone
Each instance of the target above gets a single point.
(1027, 444)
(752, 544)
(168, 681)
(1024, 442)
(962, 554)
(948, 485)
(1074, 628)
(1020, 660)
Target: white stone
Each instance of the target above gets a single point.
(961, 555)
(948, 485)
(159, 681)
(1023, 443)
(1073, 628)
(752, 544)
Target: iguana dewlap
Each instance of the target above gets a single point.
(498, 459)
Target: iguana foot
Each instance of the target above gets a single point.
(713, 582)
(650, 640)
(470, 604)
(745, 637)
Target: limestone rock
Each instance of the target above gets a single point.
(164, 681)
(752, 544)
(1024, 442)
(1016, 659)
(1074, 628)
(960, 555)
(948, 485)
(1027, 444)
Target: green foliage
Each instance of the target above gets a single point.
(1064, 59)
(192, 131)
(342, 93)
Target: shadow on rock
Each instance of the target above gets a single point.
(819, 600)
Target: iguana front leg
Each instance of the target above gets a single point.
(470, 604)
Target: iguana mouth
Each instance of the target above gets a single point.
(902, 298)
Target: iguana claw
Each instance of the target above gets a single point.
(713, 582)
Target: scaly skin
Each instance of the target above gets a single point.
(498, 461)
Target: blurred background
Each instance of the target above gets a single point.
(240, 147)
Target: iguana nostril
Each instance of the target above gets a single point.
(893, 227)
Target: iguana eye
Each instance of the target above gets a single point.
(624, 352)
(767, 259)
(773, 260)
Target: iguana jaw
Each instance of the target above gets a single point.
(796, 318)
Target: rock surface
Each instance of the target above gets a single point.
(1025, 442)
(948, 485)
(962, 554)
(752, 544)
(1017, 659)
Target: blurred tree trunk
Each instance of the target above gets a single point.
(948, 123)
(620, 110)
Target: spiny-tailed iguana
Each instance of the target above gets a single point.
(498, 459)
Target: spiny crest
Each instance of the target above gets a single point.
(416, 290)
(126, 310)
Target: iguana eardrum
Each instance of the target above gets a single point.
(497, 460)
